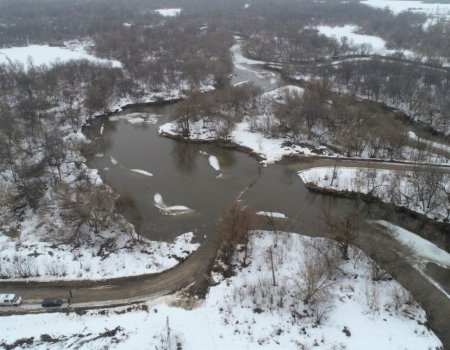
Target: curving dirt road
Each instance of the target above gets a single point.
(112, 292)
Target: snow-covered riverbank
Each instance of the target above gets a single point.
(111, 255)
(247, 312)
(402, 188)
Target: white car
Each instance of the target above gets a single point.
(10, 299)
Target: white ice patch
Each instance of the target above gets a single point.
(137, 120)
(141, 172)
(242, 82)
(170, 210)
(99, 155)
(272, 214)
(113, 160)
(214, 162)
(168, 12)
(102, 128)
(44, 54)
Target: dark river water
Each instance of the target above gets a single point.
(182, 175)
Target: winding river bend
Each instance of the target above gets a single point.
(183, 175)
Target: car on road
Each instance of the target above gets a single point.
(10, 300)
(50, 302)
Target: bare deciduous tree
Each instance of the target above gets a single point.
(233, 229)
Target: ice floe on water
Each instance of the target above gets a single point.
(136, 118)
(102, 128)
(272, 214)
(168, 12)
(99, 155)
(214, 162)
(141, 172)
(172, 209)
(113, 160)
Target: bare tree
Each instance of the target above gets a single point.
(316, 275)
(343, 229)
(233, 229)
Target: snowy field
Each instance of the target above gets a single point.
(373, 44)
(397, 6)
(247, 312)
(116, 255)
(401, 188)
(44, 54)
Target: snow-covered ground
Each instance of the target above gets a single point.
(397, 6)
(280, 93)
(44, 54)
(32, 257)
(428, 143)
(168, 12)
(270, 149)
(247, 312)
(372, 43)
(402, 188)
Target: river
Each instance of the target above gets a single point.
(183, 175)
